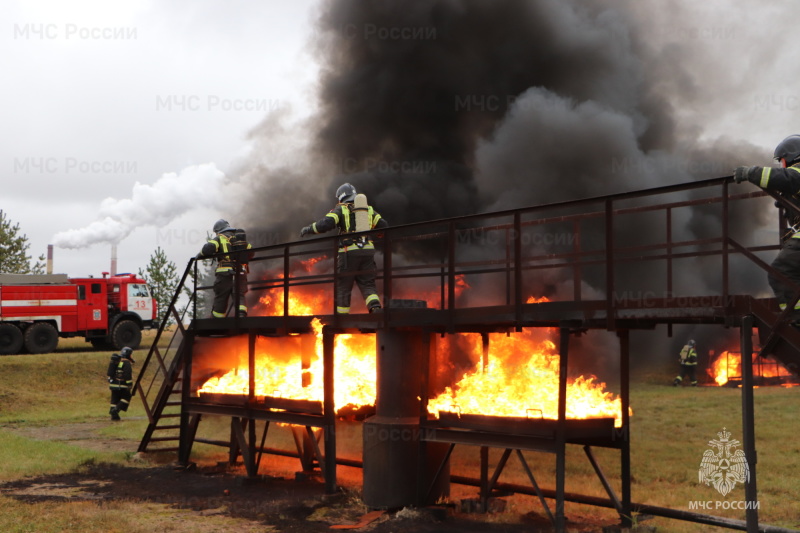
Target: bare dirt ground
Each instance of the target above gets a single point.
(278, 502)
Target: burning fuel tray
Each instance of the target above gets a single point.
(222, 399)
(267, 402)
(575, 428)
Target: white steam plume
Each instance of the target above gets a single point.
(172, 195)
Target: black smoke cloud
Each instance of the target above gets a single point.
(440, 108)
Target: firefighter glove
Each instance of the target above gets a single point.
(742, 173)
(305, 231)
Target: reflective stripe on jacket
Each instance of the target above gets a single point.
(343, 217)
(221, 243)
(688, 355)
(123, 376)
(783, 180)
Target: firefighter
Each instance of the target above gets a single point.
(232, 267)
(120, 381)
(784, 181)
(356, 254)
(688, 360)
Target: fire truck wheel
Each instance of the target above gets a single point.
(126, 333)
(10, 339)
(41, 337)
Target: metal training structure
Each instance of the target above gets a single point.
(617, 258)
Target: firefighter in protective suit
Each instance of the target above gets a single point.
(688, 360)
(356, 262)
(120, 381)
(231, 269)
(785, 181)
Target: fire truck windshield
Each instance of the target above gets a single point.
(138, 291)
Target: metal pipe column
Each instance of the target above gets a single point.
(748, 424)
(393, 456)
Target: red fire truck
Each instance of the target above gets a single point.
(110, 312)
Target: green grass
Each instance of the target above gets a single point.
(59, 386)
(39, 457)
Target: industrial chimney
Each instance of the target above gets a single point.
(49, 259)
(113, 259)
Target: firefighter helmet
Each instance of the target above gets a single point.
(346, 193)
(788, 149)
(222, 225)
(127, 353)
(692, 343)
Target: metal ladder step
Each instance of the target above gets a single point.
(163, 439)
(156, 450)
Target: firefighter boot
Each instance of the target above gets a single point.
(677, 381)
(115, 414)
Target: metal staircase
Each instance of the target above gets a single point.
(159, 383)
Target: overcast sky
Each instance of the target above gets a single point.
(100, 96)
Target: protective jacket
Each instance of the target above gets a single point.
(783, 180)
(343, 217)
(688, 355)
(225, 243)
(120, 373)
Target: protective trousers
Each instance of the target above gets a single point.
(120, 398)
(687, 371)
(223, 289)
(787, 263)
(356, 266)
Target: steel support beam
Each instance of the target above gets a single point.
(561, 432)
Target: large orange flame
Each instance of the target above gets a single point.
(520, 379)
(728, 365)
(285, 377)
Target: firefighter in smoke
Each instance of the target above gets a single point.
(232, 266)
(356, 262)
(120, 381)
(688, 360)
(786, 182)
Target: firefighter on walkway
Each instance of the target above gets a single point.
(785, 181)
(356, 262)
(232, 266)
(120, 381)
(688, 360)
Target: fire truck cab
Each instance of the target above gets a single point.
(110, 312)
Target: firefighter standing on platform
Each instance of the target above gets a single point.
(688, 360)
(230, 266)
(356, 262)
(786, 181)
(120, 381)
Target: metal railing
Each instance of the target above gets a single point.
(565, 248)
